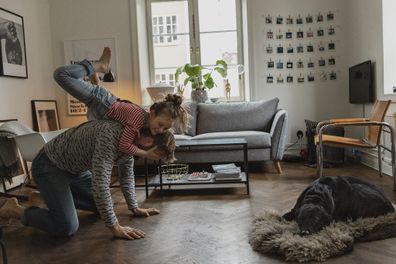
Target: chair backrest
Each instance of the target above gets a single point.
(378, 114)
(29, 145)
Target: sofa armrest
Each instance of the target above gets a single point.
(278, 134)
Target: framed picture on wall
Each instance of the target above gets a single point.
(14, 169)
(12, 45)
(90, 49)
(45, 115)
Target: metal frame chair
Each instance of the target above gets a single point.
(375, 125)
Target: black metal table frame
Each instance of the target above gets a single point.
(203, 143)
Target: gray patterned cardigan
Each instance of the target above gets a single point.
(93, 146)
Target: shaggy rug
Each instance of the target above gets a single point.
(271, 234)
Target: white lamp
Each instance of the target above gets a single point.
(158, 91)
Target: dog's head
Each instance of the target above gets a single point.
(312, 218)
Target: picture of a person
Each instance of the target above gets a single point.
(13, 47)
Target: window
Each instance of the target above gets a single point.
(164, 28)
(389, 43)
(168, 78)
(197, 32)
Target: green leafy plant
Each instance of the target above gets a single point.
(201, 77)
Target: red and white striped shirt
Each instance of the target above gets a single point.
(132, 117)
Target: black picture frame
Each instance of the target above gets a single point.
(12, 46)
(45, 115)
(19, 174)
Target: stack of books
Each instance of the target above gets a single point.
(226, 172)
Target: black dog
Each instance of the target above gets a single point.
(337, 199)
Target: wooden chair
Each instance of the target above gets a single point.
(375, 125)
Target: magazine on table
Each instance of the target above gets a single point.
(200, 176)
(226, 172)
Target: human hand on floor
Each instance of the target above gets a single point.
(145, 212)
(126, 232)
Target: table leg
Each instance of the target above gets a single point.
(146, 177)
(245, 164)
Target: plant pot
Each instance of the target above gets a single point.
(199, 95)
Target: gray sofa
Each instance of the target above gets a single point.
(261, 123)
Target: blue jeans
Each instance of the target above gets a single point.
(96, 97)
(63, 193)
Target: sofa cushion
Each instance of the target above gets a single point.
(238, 116)
(255, 140)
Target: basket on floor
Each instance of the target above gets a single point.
(174, 171)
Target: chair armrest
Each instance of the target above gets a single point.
(278, 134)
(339, 121)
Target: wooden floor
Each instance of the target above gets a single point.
(194, 226)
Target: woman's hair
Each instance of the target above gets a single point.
(166, 146)
(173, 106)
(165, 143)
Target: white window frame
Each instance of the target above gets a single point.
(195, 40)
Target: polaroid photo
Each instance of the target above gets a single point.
(310, 48)
(289, 20)
(299, 20)
(330, 16)
(300, 79)
(331, 31)
(322, 62)
(310, 64)
(279, 50)
(279, 35)
(279, 20)
(320, 32)
(289, 79)
(279, 79)
(279, 65)
(268, 20)
(300, 64)
(331, 61)
(300, 49)
(311, 77)
(319, 18)
(321, 47)
(310, 33)
(289, 65)
(270, 79)
(333, 76)
(309, 19)
(270, 35)
(270, 64)
(300, 34)
(331, 46)
(290, 49)
(289, 35)
(323, 76)
(269, 50)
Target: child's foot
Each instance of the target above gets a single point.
(94, 79)
(103, 64)
(10, 209)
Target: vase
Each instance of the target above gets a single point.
(199, 95)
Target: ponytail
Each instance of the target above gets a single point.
(173, 106)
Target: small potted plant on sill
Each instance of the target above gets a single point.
(200, 78)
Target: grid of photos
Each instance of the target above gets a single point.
(301, 48)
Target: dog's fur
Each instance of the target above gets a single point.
(337, 199)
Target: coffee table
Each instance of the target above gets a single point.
(159, 180)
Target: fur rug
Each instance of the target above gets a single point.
(271, 234)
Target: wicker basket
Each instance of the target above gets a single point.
(174, 171)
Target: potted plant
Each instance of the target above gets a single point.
(201, 78)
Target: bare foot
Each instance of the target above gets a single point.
(103, 64)
(94, 79)
(11, 209)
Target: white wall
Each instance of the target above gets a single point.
(315, 101)
(15, 94)
(92, 19)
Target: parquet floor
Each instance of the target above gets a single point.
(195, 226)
